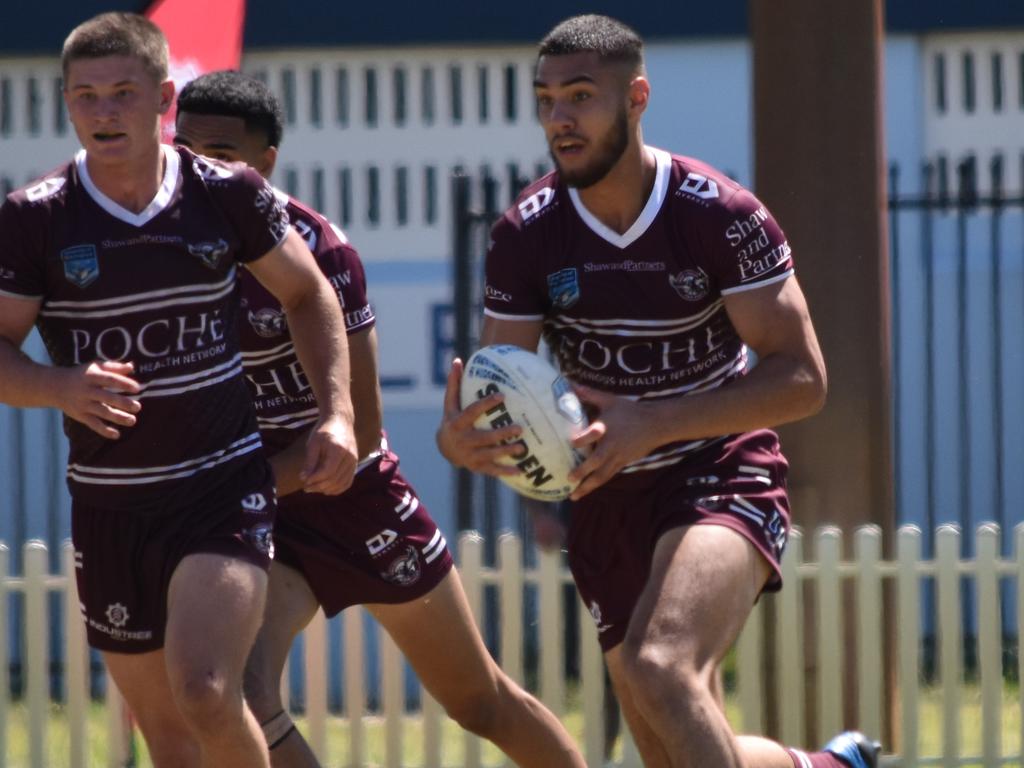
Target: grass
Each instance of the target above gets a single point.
(453, 742)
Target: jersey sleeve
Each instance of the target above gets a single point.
(249, 202)
(748, 248)
(22, 268)
(343, 268)
(510, 289)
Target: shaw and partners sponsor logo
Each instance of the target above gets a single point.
(748, 232)
(143, 240)
(752, 269)
(527, 463)
(167, 336)
(625, 266)
(536, 203)
(358, 316)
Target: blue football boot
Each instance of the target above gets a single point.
(855, 749)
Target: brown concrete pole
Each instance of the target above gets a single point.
(820, 168)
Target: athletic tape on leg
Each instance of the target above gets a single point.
(277, 729)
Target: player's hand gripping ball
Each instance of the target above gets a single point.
(539, 400)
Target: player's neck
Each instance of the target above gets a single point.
(131, 183)
(617, 199)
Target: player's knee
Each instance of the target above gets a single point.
(207, 701)
(476, 711)
(173, 752)
(660, 674)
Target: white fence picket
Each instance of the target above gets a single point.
(990, 654)
(471, 556)
(828, 575)
(947, 550)
(316, 684)
(37, 651)
(908, 633)
(870, 639)
(76, 665)
(789, 645)
(829, 542)
(355, 686)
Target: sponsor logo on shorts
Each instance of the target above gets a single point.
(381, 541)
(209, 252)
(254, 502)
(81, 265)
(595, 613)
(260, 538)
(117, 615)
(404, 570)
(690, 284)
(564, 288)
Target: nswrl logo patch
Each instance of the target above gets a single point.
(81, 265)
(564, 288)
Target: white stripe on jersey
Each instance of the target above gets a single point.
(129, 298)
(251, 359)
(144, 475)
(435, 547)
(205, 294)
(628, 327)
(159, 387)
(293, 422)
(236, 370)
(761, 284)
(272, 420)
(713, 380)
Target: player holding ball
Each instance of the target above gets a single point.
(651, 277)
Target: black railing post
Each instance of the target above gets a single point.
(462, 310)
(995, 244)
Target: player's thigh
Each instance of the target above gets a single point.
(703, 583)
(290, 606)
(214, 608)
(439, 637)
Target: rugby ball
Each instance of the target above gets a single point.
(541, 401)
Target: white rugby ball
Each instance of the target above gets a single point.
(541, 401)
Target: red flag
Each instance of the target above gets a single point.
(203, 36)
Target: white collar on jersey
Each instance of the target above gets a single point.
(156, 205)
(661, 178)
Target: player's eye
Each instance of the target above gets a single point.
(544, 101)
(580, 96)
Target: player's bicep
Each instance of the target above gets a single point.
(774, 319)
(288, 270)
(17, 316)
(523, 333)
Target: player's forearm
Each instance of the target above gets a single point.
(779, 390)
(24, 383)
(318, 332)
(287, 466)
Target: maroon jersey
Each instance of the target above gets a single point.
(157, 288)
(283, 397)
(641, 313)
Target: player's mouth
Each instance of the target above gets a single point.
(106, 137)
(568, 146)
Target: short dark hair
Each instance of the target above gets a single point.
(118, 34)
(230, 93)
(609, 38)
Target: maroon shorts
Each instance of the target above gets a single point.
(124, 560)
(739, 482)
(375, 543)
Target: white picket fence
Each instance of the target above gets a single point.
(828, 572)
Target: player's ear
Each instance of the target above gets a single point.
(166, 96)
(639, 95)
(268, 159)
